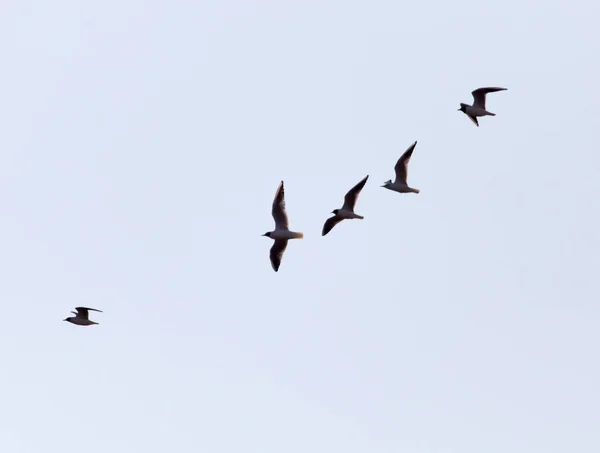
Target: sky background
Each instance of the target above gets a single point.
(142, 144)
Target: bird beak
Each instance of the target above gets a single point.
(458, 110)
(264, 234)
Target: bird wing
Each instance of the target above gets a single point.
(84, 312)
(279, 214)
(330, 223)
(479, 95)
(401, 167)
(276, 253)
(352, 195)
(474, 119)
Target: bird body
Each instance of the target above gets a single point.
(80, 322)
(281, 234)
(82, 317)
(478, 108)
(400, 184)
(476, 111)
(345, 214)
(399, 187)
(347, 211)
(284, 235)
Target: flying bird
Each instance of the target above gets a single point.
(478, 107)
(401, 169)
(347, 211)
(82, 316)
(281, 234)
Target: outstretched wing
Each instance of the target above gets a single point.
(352, 195)
(401, 167)
(84, 312)
(330, 223)
(278, 211)
(276, 253)
(479, 95)
(474, 119)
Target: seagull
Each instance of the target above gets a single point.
(401, 169)
(82, 316)
(281, 234)
(347, 211)
(478, 107)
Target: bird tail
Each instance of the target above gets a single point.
(297, 235)
(416, 190)
(490, 113)
(360, 217)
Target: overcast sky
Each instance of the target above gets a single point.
(141, 145)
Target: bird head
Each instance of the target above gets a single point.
(335, 211)
(267, 235)
(462, 108)
(387, 183)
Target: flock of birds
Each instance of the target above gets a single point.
(282, 233)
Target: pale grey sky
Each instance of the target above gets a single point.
(141, 147)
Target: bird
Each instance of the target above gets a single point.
(347, 211)
(478, 107)
(281, 234)
(82, 316)
(401, 169)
